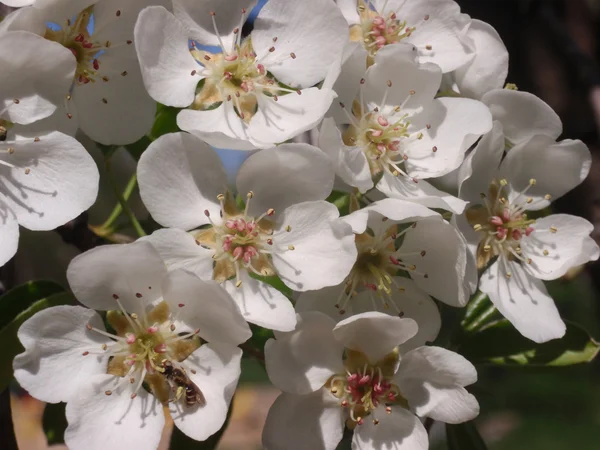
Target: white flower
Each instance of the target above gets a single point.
(157, 318)
(356, 373)
(258, 91)
(435, 28)
(395, 237)
(516, 249)
(105, 98)
(285, 228)
(399, 133)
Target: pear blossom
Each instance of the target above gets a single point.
(356, 374)
(257, 91)
(399, 134)
(284, 229)
(515, 249)
(115, 385)
(435, 28)
(105, 98)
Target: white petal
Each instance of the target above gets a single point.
(324, 300)
(24, 19)
(445, 260)
(557, 168)
(348, 8)
(522, 115)
(180, 177)
(53, 367)
(18, 3)
(398, 430)
(34, 79)
(161, 42)
(57, 121)
(196, 16)
(282, 176)
(206, 306)
(412, 303)
(421, 192)
(489, 68)
(569, 247)
(98, 421)
(437, 365)
(373, 333)
(217, 368)
(524, 301)
(133, 272)
(53, 180)
(301, 361)
(220, 127)
(323, 246)
(9, 232)
(480, 167)
(456, 123)
(262, 304)
(394, 64)
(179, 250)
(301, 422)
(292, 114)
(350, 163)
(314, 30)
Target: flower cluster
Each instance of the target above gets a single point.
(343, 247)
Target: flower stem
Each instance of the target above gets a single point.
(118, 209)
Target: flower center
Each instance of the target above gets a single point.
(379, 260)
(240, 241)
(235, 75)
(502, 223)
(364, 386)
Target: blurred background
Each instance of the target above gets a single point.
(554, 48)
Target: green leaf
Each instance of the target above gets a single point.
(501, 343)
(137, 148)
(21, 297)
(464, 436)
(8, 335)
(165, 121)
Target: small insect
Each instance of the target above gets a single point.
(181, 383)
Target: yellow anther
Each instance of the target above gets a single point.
(503, 182)
(250, 195)
(553, 229)
(532, 182)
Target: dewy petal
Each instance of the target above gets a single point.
(98, 421)
(455, 125)
(300, 422)
(433, 380)
(444, 261)
(394, 64)
(220, 127)
(262, 304)
(54, 366)
(480, 166)
(314, 31)
(398, 430)
(557, 168)
(524, 301)
(285, 175)
(301, 361)
(292, 114)
(35, 78)
(373, 333)
(412, 303)
(217, 370)
(570, 246)
(421, 192)
(179, 250)
(161, 42)
(322, 248)
(52, 181)
(197, 18)
(132, 272)
(180, 177)
(9, 232)
(489, 67)
(206, 306)
(522, 115)
(350, 163)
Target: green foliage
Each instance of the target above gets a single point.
(165, 121)
(464, 436)
(500, 343)
(17, 300)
